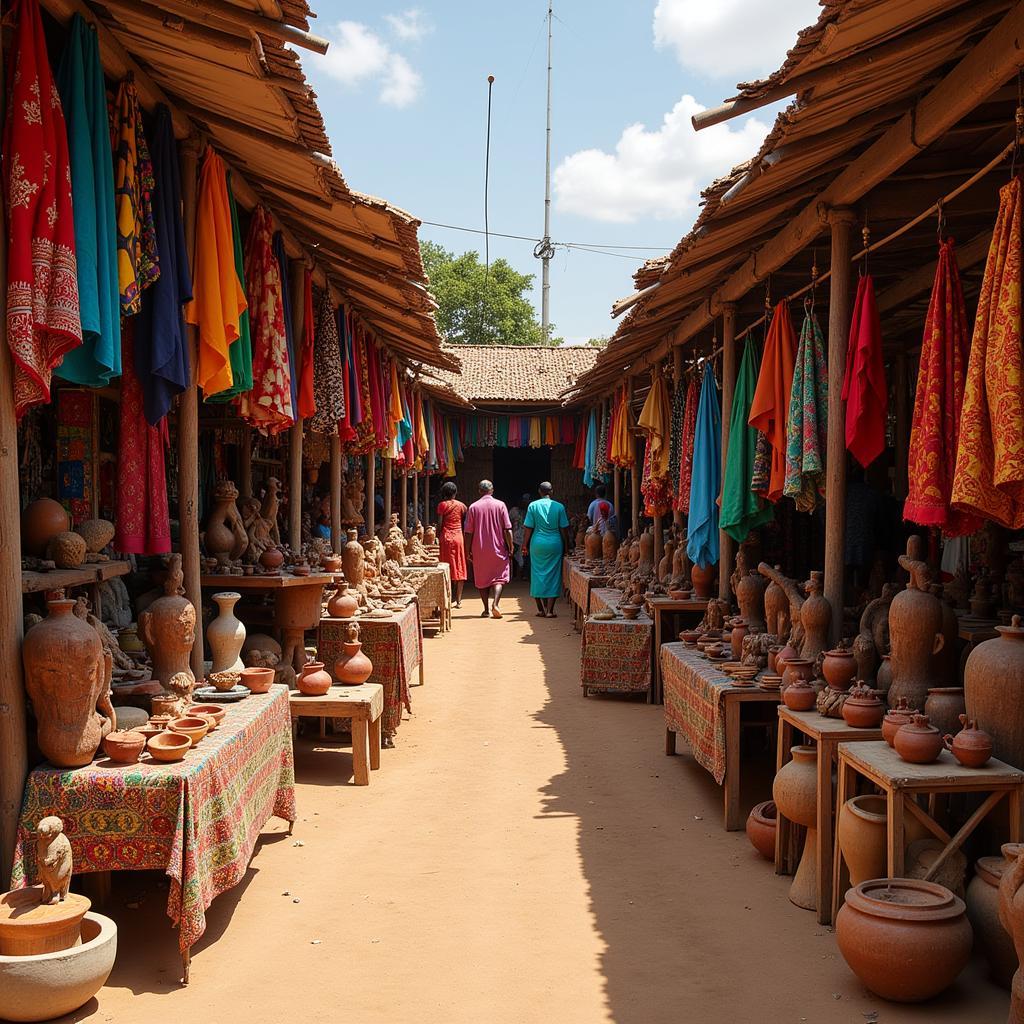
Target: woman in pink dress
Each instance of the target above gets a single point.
(453, 549)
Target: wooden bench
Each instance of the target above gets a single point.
(364, 705)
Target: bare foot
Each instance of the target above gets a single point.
(542, 615)
(484, 614)
(495, 614)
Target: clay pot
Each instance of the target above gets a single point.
(29, 927)
(773, 654)
(862, 709)
(762, 824)
(839, 668)
(915, 631)
(629, 611)
(192, 726)
(905, 939)
(343, 604)
(994, 690)
(169, 746)
(796, 668)
(225, 635)
(750, 590)
(788, 653)
(67, 550)
(945, 707)
(212, 711)
(1011, 914)
(815, 617)
(971, 746)
(991, 937)
(592, 545)
(314, 681)
(799, 695)
(703, 579)
(353, 667)
(272, 558)
(609, 546)
(918, 741)
(795, 792)
(739, 630)
(690, 636)
(41, 521)
(125, 747)
(861, 835)
(883, 677)
(257, 680)
(897, 717)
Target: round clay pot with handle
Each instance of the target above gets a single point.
(971, 746)
(918, 742)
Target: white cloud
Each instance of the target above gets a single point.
(731, 38)
(358, 56)
(655, 173)
(410, 26)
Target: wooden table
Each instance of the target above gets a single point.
(702, 703)
(827, 733)
(364, 705)
(434, 596)
(667, 606)
(581, 582)
(615, 656)
(901, 782)
(91, 575)
(297, 605)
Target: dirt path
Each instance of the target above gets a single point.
(524, 856)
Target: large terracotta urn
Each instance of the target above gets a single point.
(861, 833)
(994, 691)
(592, 544)
(1011, 916)
(795, 792)
(905, 939)
(750, 596)
(815, 617)
(168, 628)
(991, 938)
(226, 635)
(703, 579)
(67, 676)
(41, 521)
(353, 667)
(609, 546)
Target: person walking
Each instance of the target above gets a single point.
(545, 540)
(517, 514)
(450, 514)
(488, 531)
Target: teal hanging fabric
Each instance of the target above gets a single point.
(702, 527)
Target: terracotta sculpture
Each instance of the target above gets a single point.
(269, 508)
(815, 618)
(352, 501)
(352, 561)
(53, 859)
(225, 538)
(665, 565)
(109, 641)
(795, 601)
(168, 627)
(1011, 914)
(776, 606)
(872, 640)
(749, 587)
(257, 529)
(394, 534)
(67, 676)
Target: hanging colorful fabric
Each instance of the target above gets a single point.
(307, 398)
(591, 445)
(770, 407)
(741, 509)
(686, 447)
(281, 258)
(654, 421)
(989, 478)
(864, 389)
(702, 527)
(327, 382)
(655, 489)
(807, 434)
(675, 441)
(935, 429)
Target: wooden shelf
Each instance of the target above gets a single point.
(59, 579)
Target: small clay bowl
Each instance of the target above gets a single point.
(300, 570)
(211, 722)
(149, 730)
(629, 611)
(124, 746)
(192, 726)
(224, 681)
(677, 595)
(690, 636)
(214, 711)
(168, 746)
(258, 680)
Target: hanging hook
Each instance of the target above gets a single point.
(865, 234)
(940, 228)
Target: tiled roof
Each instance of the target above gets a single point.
(517, 373)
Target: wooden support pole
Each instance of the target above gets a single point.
(245, 463)
(188, 422)
(371, 496)
(839, 309)
(297, 271)
(726, 545)
(426, 498)
(336, 533)
(403, 491)
(388, 468)
(902, 425)
(13, 739)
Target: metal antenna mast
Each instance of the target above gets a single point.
(544, 250)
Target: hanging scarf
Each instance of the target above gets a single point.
(346, 428)
(515, 435)
(365, 432)
(307, 396)
(138, 262)
(281, 258)
(702, 527)
(864, 390)
(160, 354)
(327, 383)
(807, 435)
(218, 302)
(579, 452)
(268, 406)
(655, 489)
(588, 463)
(989, 478)
(686, 446)
(623, 446)
(675, 443)
(770, 406)
(535, 439)
(654, 421)
(742, 510)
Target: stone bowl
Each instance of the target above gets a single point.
(168, 746)
(48, 985)
(258, 680)
(195, 727)
(124, 746)
(213, 711)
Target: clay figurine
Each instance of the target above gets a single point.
(225, 538)
(352, 502)
(53, 859)
(269, 508)
(795, 599)
(168, 627)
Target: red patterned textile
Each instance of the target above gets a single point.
(307, 403)
(142, 516)
(935, 431)
(616, 655)
(198, 820)
(682, 502)
(864, 389)
(43, 319)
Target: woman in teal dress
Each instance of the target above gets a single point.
(545, 539)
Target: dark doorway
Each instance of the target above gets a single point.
(518, 471)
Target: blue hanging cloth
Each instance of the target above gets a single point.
(591, 449)
(702, 527)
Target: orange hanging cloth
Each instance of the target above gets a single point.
(769, 410)
(989, 477)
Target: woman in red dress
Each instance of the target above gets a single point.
(450, 514)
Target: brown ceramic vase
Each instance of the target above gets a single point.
(815, 617)
(861, 836)
(592, 545)
(944, 706)
(750, 590)
(703, 578)
(795, 791)
(839, 668)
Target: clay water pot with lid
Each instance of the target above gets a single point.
(799, 695)
(839, 668)
(905, 939)
(971, 746)
(994, 691)
(795, 791)
(331, 563)
(897, 717)
(990, 936)
(863, 709)
(918, 742)
(702, 577)
(944, 708)
(862, 832)
(762, 824)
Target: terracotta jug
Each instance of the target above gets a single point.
(795, 792)
(944, 707)
(862, 831)
(990, 936)
(739, 630)
(994, 691)
(839, 668)
(353, 667)
(1011, 915)
(815, 617)
(750, 596)
(168, 628)
(314, 681)
(225, 635)
(344, 603)
(592, 544)
(971, 746)
(353, 559)
(703, 579)
(67, 676)
(918, 742)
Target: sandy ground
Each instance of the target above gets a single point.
(524, 855)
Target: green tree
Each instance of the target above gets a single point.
(480, 308)
(599, 342)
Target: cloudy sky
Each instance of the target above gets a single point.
(404, 92)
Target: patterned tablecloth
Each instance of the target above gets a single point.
(581, 583)
(434, 594)
(394, 645)
(197, 820)
(616, 655)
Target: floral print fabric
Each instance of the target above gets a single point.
(807, 432)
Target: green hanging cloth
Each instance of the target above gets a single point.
(742, 510)
(240, 351)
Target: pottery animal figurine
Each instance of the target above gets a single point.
(872, 639)
(882, 919)
(945, 707)
(990, 937)
(226, 635)
(53, 859)
(994, 690)
(225, 538)
(862, 708)
(67, 550)
(839, 668)
(898, 716)
(795, 792)
(915, 630)
(762, 824)
(862, 835)
(313, 680)
(168, 627)
(353, 667)
(971, 746)
(918, 742)
(67, 676)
